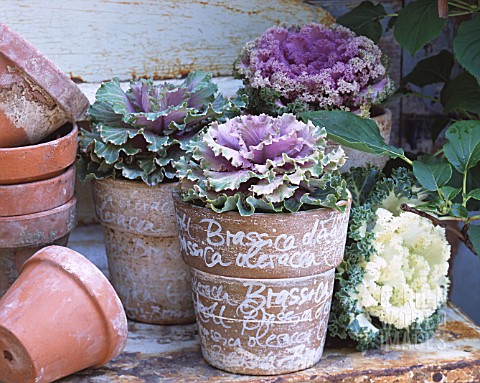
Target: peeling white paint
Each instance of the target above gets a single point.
(99, 39)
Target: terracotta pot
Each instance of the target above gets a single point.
(22, 236)
(383, 118)
(60, 316)
(36, 97)
(262, 285)
(37, 196)
(41, 161)
(143, 251)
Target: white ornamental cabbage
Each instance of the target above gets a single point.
(406, 278)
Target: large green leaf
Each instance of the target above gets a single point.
(466, 46)
(463, 92)
(417, 24)
(474, 235)
(431, 70)
(462, 148)
(432, 176)
(364, 20)
(352, 131)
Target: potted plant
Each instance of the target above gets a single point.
(135, 139)
(293, 69)
(262, 218)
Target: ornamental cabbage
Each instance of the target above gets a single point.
(393, 278)
(263, 164)
(295, 69)
(141, 133)
(405, 278)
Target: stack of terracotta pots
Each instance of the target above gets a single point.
(39, 105)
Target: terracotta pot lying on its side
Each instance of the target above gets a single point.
(262, 285)
(22, 236)
(36, 98)
(35, 197)
(41, 161)
(143, 251)
(60, 316)
(383, 119)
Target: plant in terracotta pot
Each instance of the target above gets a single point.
(135, 139)
(293, 69)
(262, 217)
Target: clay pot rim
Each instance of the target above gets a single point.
(267, 280)
(26, 163)
(13, 150)
(40, 214)
(41, 186)
(41, 70)
(40, 183)
(81, 273)
(17, 221)
(134, 183)
(177, 198)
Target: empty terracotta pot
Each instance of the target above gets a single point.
(383, 119)
(21, 236)
(40, 161)
(36, 97)
(37, 196)
(141, 240)
(60, 316)
(262, 285)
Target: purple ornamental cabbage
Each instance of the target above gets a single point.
(141, 133)
(264, 164)
(294, 69)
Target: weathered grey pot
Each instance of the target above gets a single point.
(262, 285)
(356, 158)
(143, 250)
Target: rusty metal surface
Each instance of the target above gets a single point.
(172, 354)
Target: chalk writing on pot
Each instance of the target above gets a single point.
(321, 243)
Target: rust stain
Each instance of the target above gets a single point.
(459, 330)
(229, 7)
(76, 79)
(173, 70)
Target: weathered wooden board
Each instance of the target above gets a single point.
(172, 353)
(95, 40)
